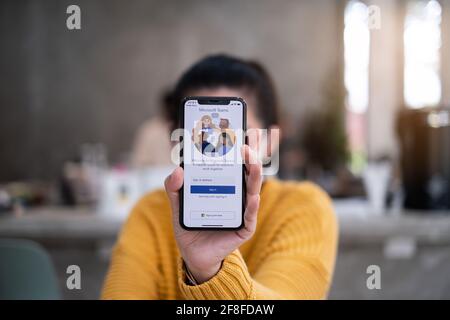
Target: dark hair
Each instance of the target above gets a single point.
(223, 70)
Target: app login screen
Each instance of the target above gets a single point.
(213, 165)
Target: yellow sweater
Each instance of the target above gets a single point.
(290, 256)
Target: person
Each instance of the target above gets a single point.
(207, 124)
(224, 126)
(287, 248)
(224, 144)
(207, 147)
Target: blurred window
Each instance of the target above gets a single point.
(356, 54)
(422, 43)
(356, 77)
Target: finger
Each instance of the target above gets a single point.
(172, 185)
(249, 156)
(254, 171)
(253, 138)
(250, 217)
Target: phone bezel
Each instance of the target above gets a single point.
(212, 101)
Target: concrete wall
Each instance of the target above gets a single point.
(61, 88)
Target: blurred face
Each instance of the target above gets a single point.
(253, 122)
(223, 124)
(206, 122)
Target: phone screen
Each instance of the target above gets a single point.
(213, 191)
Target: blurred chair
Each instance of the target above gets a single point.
(26, 271)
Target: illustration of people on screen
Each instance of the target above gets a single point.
(213, 139)
(224, 126)
(204, 125)
(225, 144)
(207, 124)
(207, 147)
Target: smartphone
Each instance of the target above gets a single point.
(213, 193)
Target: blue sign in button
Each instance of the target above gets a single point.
(213, 189)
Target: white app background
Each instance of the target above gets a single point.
(213, 164)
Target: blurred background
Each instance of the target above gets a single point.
(365, 91)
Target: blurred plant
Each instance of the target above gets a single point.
(324, 137)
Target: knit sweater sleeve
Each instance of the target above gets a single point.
(298, 263)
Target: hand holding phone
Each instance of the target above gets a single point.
(203, 251)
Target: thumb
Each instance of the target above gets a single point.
(173, 184)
